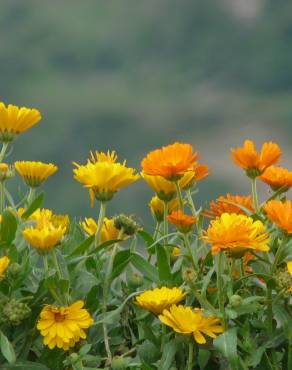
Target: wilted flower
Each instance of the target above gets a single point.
(35, 173)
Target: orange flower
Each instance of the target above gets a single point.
(277, 177)
(200, 171)
(228, 204)
(183, 222)
(253, 162)
(280, 213)
(170, 162)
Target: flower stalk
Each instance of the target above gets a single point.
(254, 194)
(101, 217)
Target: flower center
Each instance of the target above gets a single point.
(59, 317)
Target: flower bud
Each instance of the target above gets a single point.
(135, 280)
(127, 224)
(190, 276)
(235, 300)
(14, 269)
(118, 363)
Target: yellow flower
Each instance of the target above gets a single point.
(108, 230)
(289, 268)
(158, 299)
(104, 177)
(185, 320)
(46, 215)
(110, 157)
(236, 234)
(6, 171)
(176, 252)
(63, 327)
(14, 120)
(157, 207)
(35, 173)
(4, 262)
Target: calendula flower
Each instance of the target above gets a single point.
(280, 213)
(183, 222)
(176, 252)
(277, 177)
(108, 230)
(4, 263)
(63, 327)
(6, 172)
(104, 177)
(14, 120)
(228, 204)
(236, 234)
(44, 215)
(97, 156)
(198, 173)
(171, 161)
(189, 321)
(158, 299)
(289, 268)
(253, 162)
(157, 207)
(35, 173)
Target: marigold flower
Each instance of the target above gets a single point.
(63, 327)
(35, 173)
(186, 320)
(176, 252)
(289, 268)
(280, 213)
(14, 120)
(228, 204)
(277, 177)
(44, 215)
(158, 299)
(198, 173)
(108, 230)
(157, 207)
(170, 162)
(183, 222)
(104, 178)
(6, 172)
(4, 262)
(253, 162)
(97, 156)
(236, 234)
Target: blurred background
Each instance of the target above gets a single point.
(135, 75)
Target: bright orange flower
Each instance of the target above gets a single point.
(183, 222)
(199, 172)
(253, 162)
(280, 213)
(277, 177)
(170, 162)
(228, 204)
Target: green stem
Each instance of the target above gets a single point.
(289, 362)
(100, 222)
(189, 248)
(179, 195)
(46, 265)
(254, 194)
(56, 263)
(269, 310)
(191, 354)
(220, 288)
(3, 151)
(30, 196)
(2, 196)
(191, 202)
(165, 223)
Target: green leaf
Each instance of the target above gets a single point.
(7, 349)
(148, 271)
(148, 240)
(163, 265)
(226, 343)
(203, 358)
(26, 365)
(168, 354)
(8, 227)
(37, 202)
(82, 247)
(121, 260)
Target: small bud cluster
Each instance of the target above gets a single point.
(13, 311)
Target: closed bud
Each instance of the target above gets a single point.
(190, 276)
(135, 280)
(127, 224)
(119, 363)
(235, 300)
(14, 269)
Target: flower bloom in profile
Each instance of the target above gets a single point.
(35, 173)
(229, 204)
(289, 268)
(280, 213)
(105, 176)
(198, 173)
(171, 161)
(6, 171)
(15, 120)
(4, 263)
(159, 299)
(183, 222)
(108, 230)
(236, 234)
(63, 327)
(189, 321)
(277, 177)
(157, 207)
(253, 162)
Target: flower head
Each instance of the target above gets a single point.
(158, 299)
(253, 162)
(277, 177)
(6, 172)
(14, 120)
(63, 327)
(236, 234)
(157, 207)
(108, 230)
(228, 204)
(171, 161)
(198, 173)
(35, 173)
(280, 213)
(103, 176)
(186, 320)
(183, 222)
(289, 269)
(4, 262)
